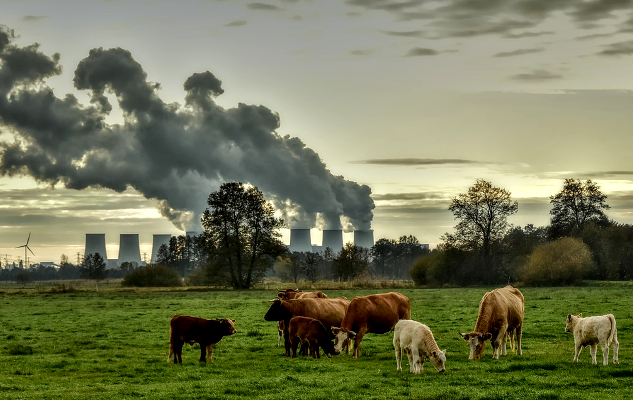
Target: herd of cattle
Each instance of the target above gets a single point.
(311, 321)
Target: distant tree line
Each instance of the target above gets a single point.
(580, 242)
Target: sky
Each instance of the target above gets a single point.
(121, 116)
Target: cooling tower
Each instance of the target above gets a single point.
(300, 240)
(364, 238)
(192, 233)
(156, 243)
(333, 238)
(129, 249)
(95, 243)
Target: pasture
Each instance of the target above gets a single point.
(113, 344)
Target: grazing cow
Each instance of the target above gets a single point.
(290, 294)
(593, 330)
(329, 311)
(311, 332)
(207, 332)
(417, 341)
(376, 313)
(500, 313)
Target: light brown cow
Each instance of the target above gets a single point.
(417, 341)
(376, 313)
(593, 330)
(207, 332)
(311, 332)
(329, 311)
(500, 314)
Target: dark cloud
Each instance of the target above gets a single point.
(538, 75)
(416, 161)
(263, 6)
(466, 18)
(408, 196)
(595, 36)
(527, 34)
(414, 34)
(519, 52)
(171, 153)
(361, 52)
(618, 49)
(240, 22)
(419, 51)
(32, 18)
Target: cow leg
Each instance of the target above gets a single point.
(497, 341)
(605, 353)
(417, 360)
(286, 338)
(357, 340)
(410, 358)
(593, 348)
(503, 343)
(210, 352)
(176, 347)
(294, 342)
(577, 350)
(519, 333)
(398, 357)
(203, 353)
(616, 348)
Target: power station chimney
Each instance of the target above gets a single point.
(364, 238)
(95, 243)
(333, 238)
(129, 249)
(300, 240)
(156, 243)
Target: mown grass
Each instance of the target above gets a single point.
(80, 344)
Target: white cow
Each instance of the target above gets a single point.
(417, 341)
(593, 330)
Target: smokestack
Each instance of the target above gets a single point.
(333, 238)
(95, 243)
(156, 243)
(364, 238)
(129, 249)
(300, 240)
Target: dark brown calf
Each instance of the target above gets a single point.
(310, 332)
(207, 332)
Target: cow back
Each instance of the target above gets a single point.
(378, 312)
(499, 307)
(329, 311)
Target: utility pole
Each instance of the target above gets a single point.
(78, 258)
(145, 257)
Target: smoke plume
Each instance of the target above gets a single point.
(176, 154)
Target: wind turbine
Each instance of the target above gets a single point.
(26, 246)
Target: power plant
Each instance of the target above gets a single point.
(300, 240)
(333, 238)
(364, 238)
(129, 249)
(95, 243)
(158, 241)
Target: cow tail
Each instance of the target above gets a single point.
(613, 329)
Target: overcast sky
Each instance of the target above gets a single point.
(378, 111)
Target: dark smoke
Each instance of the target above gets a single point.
(172, 153)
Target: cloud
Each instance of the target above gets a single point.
(263, 6)
(618, 49)
(519, 52)
(414, 34)
(527, 34)
(240, 22)
(33, 18)
(539, 75)
(409, 196)
(419, 51)
(171, 153)
(416, 161)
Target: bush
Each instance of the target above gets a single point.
(563, 262)
(153, 275)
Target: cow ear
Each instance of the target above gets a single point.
(486, 336)
(434, 354)
(233, 320)
(580, 315)
(351, 334)
(335, 330)
(568, 317)
(465, 336)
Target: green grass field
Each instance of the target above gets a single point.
(113, 343)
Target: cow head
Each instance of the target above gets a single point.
(277, 312)
(288, 293)
(438, 359)
(477, 343)
(341, 337)
(228, 326)
(571, 321)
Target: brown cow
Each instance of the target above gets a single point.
(329, 311)
(500, 314)
(376, 313)
(290, 294)
(186, 329)
(310, 331)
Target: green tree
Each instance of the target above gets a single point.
(482, 215)
(351, 262)
(577, 204)
(565, 261)
(383, 254)
(311, 266)
(93, 267)
(244, 232)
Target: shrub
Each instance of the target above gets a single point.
(153, 275)
(563, 262)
